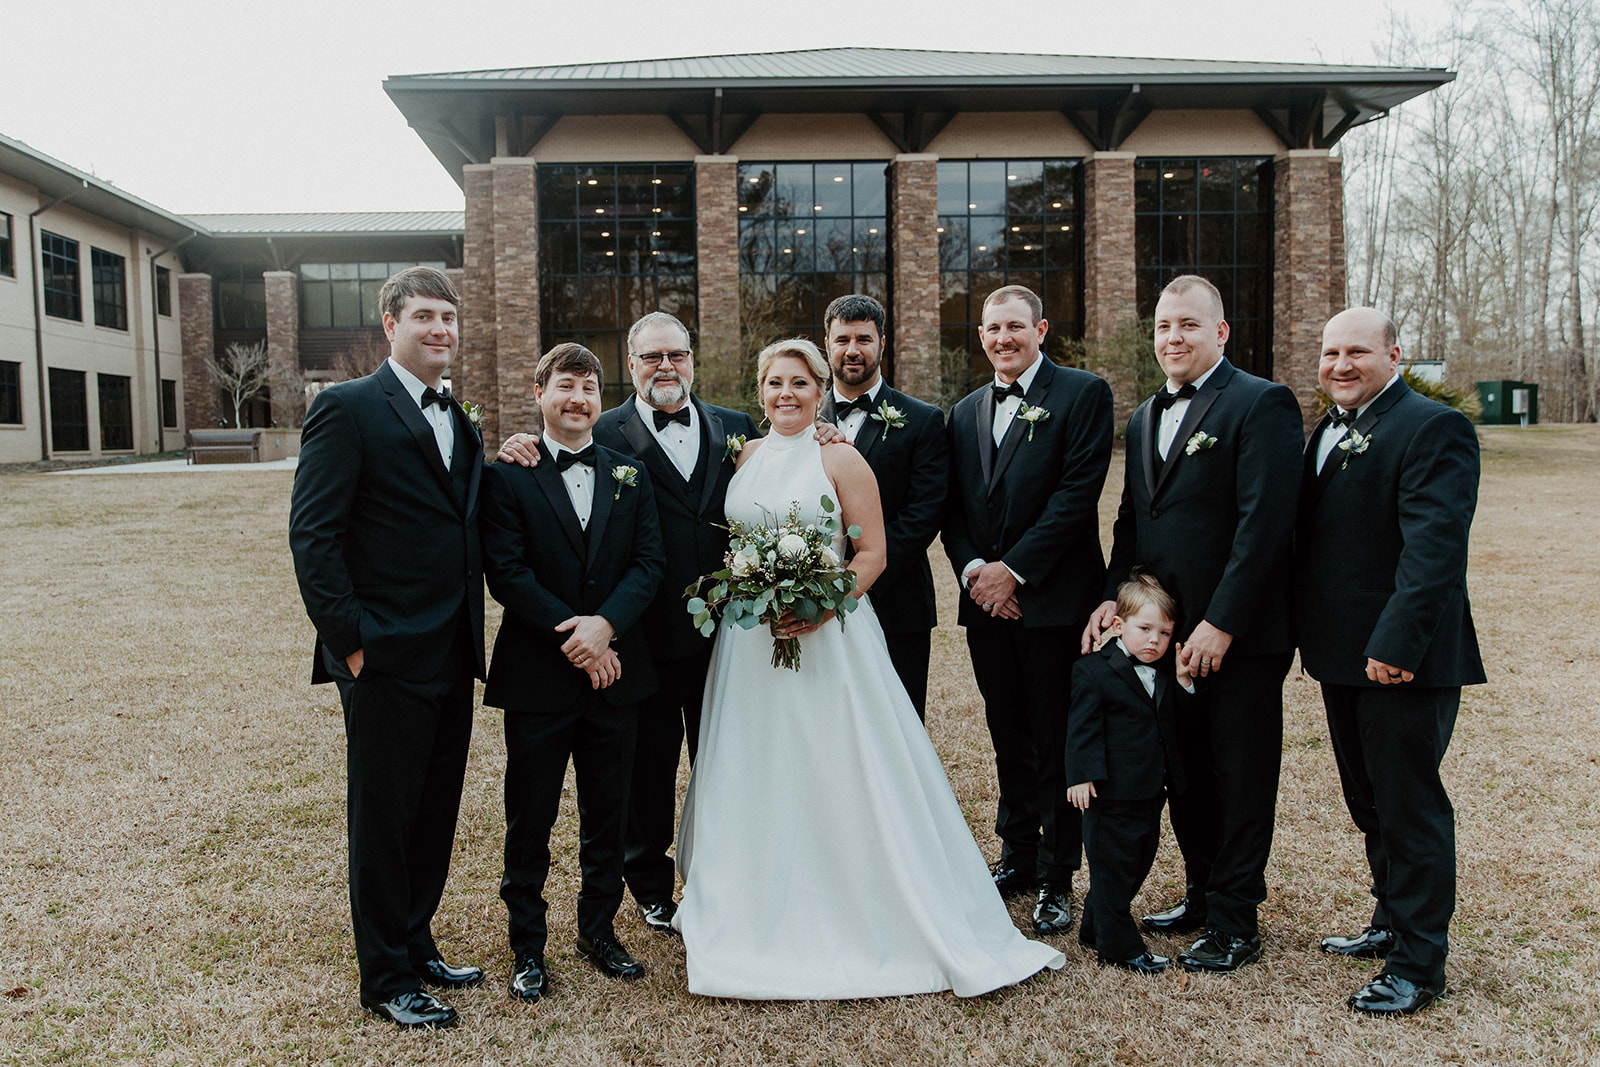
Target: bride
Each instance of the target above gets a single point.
(823, 854)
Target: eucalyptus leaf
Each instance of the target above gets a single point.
(708, 628)
(853, 533)
(748, 622)
(696, 605)
(827, 504)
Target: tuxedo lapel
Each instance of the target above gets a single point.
(1123, 666)
(467, 437)
(713, 443)
(1147, 446)
(1017, 432)
(421, 430)
(549, 480)
(1191, 418)
(605, 494)
(1319, 479)
(983, 412)
(1363, 425)
(870, 432)
(650, 453)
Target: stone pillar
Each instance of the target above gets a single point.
(1339, 298)
(914, 319)
(1302, 273)
(473, 377)
(516, 292)
(283, 345)
(716, 247)
(1110, 293)
(197, 326)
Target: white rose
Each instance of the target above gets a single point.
(792, 545)
(829, 556)
(746, 562)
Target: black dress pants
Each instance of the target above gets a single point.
(599, 740)
(910, 652)
(1025, 676)
(666, 717)
(1119, 839)
(1389, 742)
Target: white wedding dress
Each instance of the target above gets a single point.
(823, 854)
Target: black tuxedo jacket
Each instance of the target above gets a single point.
(690, 513)
(1217, 527)
(1381, 550)
(384, 538)
(1119, 737)
(1034, 505)
(545, 568)
(912, 466)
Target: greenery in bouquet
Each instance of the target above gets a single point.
(775, 567)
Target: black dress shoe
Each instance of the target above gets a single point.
(1011, 880)
(1389, 994)
(1143, 963)
(1220, 953)
(610, 957)
(1372, 943)
(439, 974)
(413, 1011)
(658, 917)
(528, 979)
(1184, 917)
(1052, 915)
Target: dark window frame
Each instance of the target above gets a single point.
(69, 410)
(10, 393)
(108, 273)
(114, 393)
(60, 277)
(358, 282)
(163, 292)
(8, 260)
(240, 297)
(169, 403)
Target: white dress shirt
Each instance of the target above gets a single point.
(444, 425)
(851, 424)
(681, 443)
(579, 479)
(1172, 418)
(1332, 434)
(1146, 673)
(1004, 411)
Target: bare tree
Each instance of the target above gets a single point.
(243, 372)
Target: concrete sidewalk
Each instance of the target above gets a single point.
(178, 466)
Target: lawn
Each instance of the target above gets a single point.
(172, 851)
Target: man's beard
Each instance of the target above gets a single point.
(855, 375)
(666, 389)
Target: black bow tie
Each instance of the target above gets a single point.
(1003, 391)
(841, 408)
(585, 455)
(1340, 417)
(663, 418)
(430, 397)
(1165, 398)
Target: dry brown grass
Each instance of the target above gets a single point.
(172, 834)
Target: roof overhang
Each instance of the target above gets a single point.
(60, 183)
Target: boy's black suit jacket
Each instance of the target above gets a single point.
(1216, 527)
(544, 568)
(1381, 549)
(384, 537)
(1117, 736)
(690, 512)
(912, 467)
(1033, 505)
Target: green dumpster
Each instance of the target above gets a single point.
(1509, 403)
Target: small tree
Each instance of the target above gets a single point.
(243, 372)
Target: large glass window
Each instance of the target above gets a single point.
(808, 232)
(58, 258)
(1008, 222)
(8, 265)
(615, 241)
(169, 404)
(163, 291)
(346, 294)
(69, 411)
(1211, 217)
(241, 298)
(10, 393)
(110, 278)
(116, 411)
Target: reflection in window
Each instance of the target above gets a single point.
(1211, 217)
(1009, 222)
(615, 241)
(110, 279)
(241, 298)
(346, 294)
(808, 232)
(116, 412)
(69, 411)
(163, 291)
(58, 258)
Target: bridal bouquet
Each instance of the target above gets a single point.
(776, 567)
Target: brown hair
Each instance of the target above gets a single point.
(1141, 590)
(567, 358)
(426, 282)
(1184, 282)
(1017, 292)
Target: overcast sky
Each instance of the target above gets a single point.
(278, 105)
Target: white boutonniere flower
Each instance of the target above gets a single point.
(1355, 442)
(1033, 416)
(1198, 443)
(624, 476)
(474, 413)
(735, 445)
(891, 417)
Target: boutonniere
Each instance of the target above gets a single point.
(735, 445)
(1033, 416)
(1355, 442)
(1198, 443)
(624, 476)
(891, 417)
(474, 413)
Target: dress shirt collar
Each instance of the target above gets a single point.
(1025, 379)
(413, 384)
(871, 394)
(556, 447)
(1198, 382)
(1362, 410)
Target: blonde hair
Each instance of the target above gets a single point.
(1143, 588)
(800, 349)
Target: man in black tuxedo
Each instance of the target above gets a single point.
(1028, 458)
(1208, 508)
(903, 441)
(1383, 622)
(572, 549)
(383, 529)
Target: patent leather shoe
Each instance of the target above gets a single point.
(608, 955)
(1143, 963)
(1372, 943)
(1011, 880)
(1184, 917)
(528, 978)
(658, 916)
(1389, 994)
(1052, 915)
(415, 1010)
(1220, 953)
(439, 974)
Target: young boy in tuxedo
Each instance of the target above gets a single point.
(1121, 749)
(572, 548)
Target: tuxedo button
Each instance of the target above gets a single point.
(1155, 513)
(589, 583)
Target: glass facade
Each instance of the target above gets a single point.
(616, 240)
(109, 274)
(69, 411)
(346, 294)
(63, 294)
(241, 298)
(116, 411)
(1212, 217)
(1008, 222)
(808, 232)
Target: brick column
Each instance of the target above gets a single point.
(1110, 295)
(283, 345)
(914, 319)
(516, 292)
(716, 247)
(473, 377)
(197, 326)
(1302, 282)
(1338, 298)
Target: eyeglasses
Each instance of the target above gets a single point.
(654, 359)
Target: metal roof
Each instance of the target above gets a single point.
(324, 223)
(57, 180)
